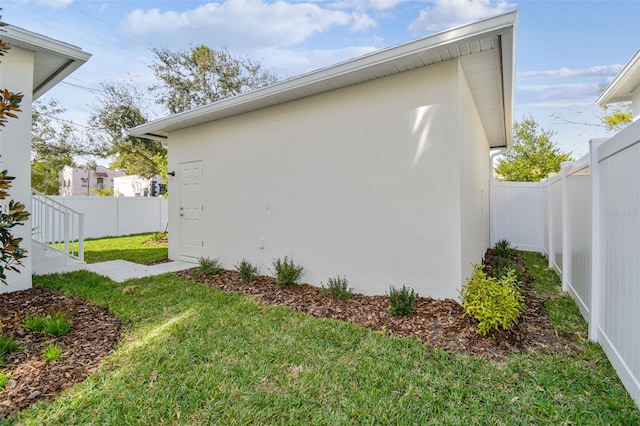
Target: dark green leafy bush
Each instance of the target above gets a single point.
(247, 271)
(338, 288)
(503, 249)
(401, 300)
(495, 303)
(209, 266)
(287, 272)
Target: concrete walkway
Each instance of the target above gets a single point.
(122, 270)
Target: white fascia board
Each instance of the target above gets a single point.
(619, 90)
(500, 24)
(24, 39)
(508, 50)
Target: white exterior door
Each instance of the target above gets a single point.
(191, 207)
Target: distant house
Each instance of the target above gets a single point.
(376, 168)
(137, 186)
(80, 181)
(34, 65)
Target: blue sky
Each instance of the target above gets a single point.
(565, 49)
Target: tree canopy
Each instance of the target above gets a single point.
(117, 110)
(201, 75)
(532, 156)
(185, 79)
(53, 146)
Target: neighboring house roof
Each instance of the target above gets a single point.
(486, 49)
(619, 90)
(53, 59)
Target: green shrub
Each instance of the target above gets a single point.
(35, 323)
(503, 248)
(209, 266)
(287, 272)
(7, 345)
(247, 271)
(401, 301)
(52, 353)
(495, 303)
(55, 324)
(157, 237)
(3, 379)
(338, 288)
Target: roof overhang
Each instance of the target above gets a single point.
(53, 59)
(486, 49)
(619, 90)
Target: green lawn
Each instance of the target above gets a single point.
(131, 248)
(195, 355)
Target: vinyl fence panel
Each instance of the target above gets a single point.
(517, 214)
(116, 216)
(577, 249)
(616, 280)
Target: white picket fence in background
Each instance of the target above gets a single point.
(586, 219)
(116, 216)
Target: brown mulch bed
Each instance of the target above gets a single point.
(437, 323)
(93, 335)
(95, 331)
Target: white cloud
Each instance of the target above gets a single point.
(54, 4)
(567, 93)
(290, 63)
(598, 70)
(241, 23)
(362, 22)
(451, 13)
(366, 4)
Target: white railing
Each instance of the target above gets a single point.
(57, 226)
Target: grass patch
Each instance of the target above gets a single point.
(131, 248)
(195, 355)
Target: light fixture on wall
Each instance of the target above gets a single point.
(172, 174)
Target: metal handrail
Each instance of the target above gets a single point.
(57, 226)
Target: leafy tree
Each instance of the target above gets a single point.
(533, 155)
(616, 117)
(201, 75)
(119, 109)
(53, 146)
(13, 214)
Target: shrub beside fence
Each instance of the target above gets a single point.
(116, 216)
(590, 216)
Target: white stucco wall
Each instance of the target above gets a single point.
(16, 74)
(363, 182)
(474, 182)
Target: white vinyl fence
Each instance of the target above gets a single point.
(116, 216)
(590, 215)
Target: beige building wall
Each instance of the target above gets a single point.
(16, 75)
(364, 182)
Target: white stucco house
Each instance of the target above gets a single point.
(376, 168)
(81, 181)
(137, 186)
(34, 65)
(625, 87)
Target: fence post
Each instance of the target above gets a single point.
(81, 237)
(552, 255)
(566, 241)
(595, 310)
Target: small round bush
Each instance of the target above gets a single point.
(247, 271)
(287, 272)
(495, 303)
(401, 300)
(338, 288)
